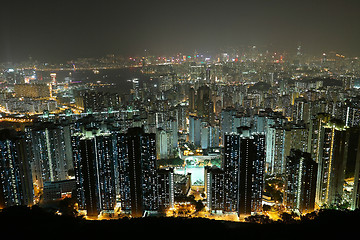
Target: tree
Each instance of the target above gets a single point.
(266, 207)
(308, 217)
(288, 218)
(67, 207)
(199, 205)
(257, 218)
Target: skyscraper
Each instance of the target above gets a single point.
(52, 158)
(244, 166)
(16, 186)
(195, 130)
(227, 122)
(191, 100)
(252, 168)
(353, 164)
(165, 189)
(214, 187)
(300, 183)
(231, 166)
(99, 101)
(331, 160)
(162, 144)
(203, 102)
(95, 163)
(301, 110)
(137, 172)
(280, 139)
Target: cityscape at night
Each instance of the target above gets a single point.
(238, 117)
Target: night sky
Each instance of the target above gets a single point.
(64, 30)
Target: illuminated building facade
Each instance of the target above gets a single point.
(195, 130)
(300, 183)
(227, 122)
(137, 172)
(204, 105)
(16, 186)
(353, 162)
(214, 187)
(58, 190)
(331, 159)
(231, 168)
(52, 152)
(252, 170)
(111, 166)
(163, 143)
(280, 139)
(244, 167)
(301, 110)
(95, 171)
(32, 90)
(165, 188)
(99, 101)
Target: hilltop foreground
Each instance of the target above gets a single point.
(23, 221)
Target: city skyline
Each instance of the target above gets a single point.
(71, 29)
(230, 111)
(224, 137)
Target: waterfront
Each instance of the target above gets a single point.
(118, 78)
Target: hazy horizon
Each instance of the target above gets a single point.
(68, 30)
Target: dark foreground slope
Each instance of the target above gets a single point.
(26, 222)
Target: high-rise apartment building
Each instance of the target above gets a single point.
(137, 172)
(301, 110)
(163, 144)
(32, 90)
(215, 188)
(280, 139)
(95, 161)
(99, 101)
(52, 152)
(300, 181)
(353, 164)
(227, 122)
(331, 159)
(195, 130)
(16, 186)
(252, 168)
(165, 188)
(231, 166)
(244, 166)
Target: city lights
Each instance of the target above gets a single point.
(205, 131)
(143, 122)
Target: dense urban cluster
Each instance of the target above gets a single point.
(239, 133)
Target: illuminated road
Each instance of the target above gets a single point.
(3, 110)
